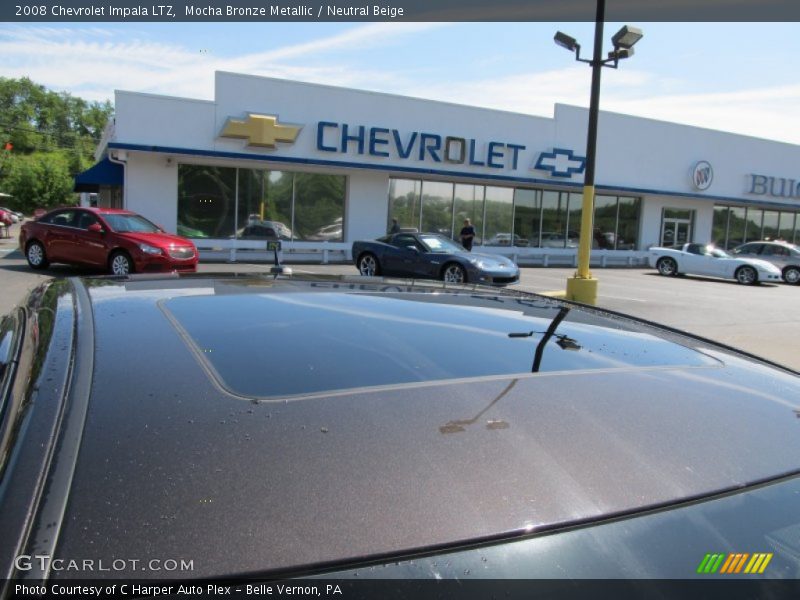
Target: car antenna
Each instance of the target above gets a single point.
(277, 268)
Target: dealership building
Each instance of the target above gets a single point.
(320, 167)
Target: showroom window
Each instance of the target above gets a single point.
(786, 227)
(752, 231)
(527, 217)
(554, 220)
(629, 214)
(753, 224)
(405, 202)
(736, 226)
(605, 222)
(769, 229)
(206, 201)
(256, 204)
(437, 207)
(719, 228)
(318, 207)
(499, 216)
(468, 204)
(504, 216)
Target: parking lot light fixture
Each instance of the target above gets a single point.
(582, 287)
(565, 41)
(626, 37)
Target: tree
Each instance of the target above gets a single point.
(37, 180)
(46, 135)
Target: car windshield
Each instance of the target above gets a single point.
(438, 243)
(717, 252)
(122, 223)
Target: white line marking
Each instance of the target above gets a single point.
(622, 298)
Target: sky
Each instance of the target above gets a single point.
(711, 75)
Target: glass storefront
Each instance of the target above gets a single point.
(206, 202)
(257, 204)
(405, 202)
(788, 224)
(752, 229)
(719, 227)
(735, 225)
(437, 207)
(527, 217)
(554, 221)
(630, 210)
(498, 226)
(468, 204)
(506, 216)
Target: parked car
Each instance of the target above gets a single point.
(118, 241)
(551, 239)
(5, 218)
(190, 232)
(329, 233)
(706, 259)
(504, 239)
(348, 429)
(15, 216)
(264, 230)
(783, 255)
(431, 256)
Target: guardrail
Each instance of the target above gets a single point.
(292, 252)
(341, 252)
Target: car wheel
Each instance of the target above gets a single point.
(37, 259)
(368, 265)
(454, 273)
(120, 264)
(667, 266)
(791, 275)
(746, 275)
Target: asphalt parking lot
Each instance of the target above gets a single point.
(762, 320)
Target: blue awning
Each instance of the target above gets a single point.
(103, 173)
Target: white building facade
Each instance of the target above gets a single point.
(319, 167)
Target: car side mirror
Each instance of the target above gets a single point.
(96, 228)
(412, 249)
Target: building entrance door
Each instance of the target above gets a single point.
(675, 232)
(676, 227)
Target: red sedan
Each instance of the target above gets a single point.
(119, 241)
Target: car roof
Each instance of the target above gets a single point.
(772, 242)
(96, 210)
(196, 430)
(108, 211)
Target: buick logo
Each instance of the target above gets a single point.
(702, 175)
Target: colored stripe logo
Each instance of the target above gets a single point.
(734, 562)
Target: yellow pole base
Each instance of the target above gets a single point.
(582, 289)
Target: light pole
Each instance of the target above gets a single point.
(582, 287)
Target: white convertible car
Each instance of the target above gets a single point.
(702, 259)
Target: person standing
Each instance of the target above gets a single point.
(395, 227)
(467, 234)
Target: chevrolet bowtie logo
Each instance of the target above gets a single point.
(560, 163)
(260, 130)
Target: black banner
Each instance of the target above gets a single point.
(464, 589)
(397, 10)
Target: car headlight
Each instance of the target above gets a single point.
(148, 249)
(477, 262)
